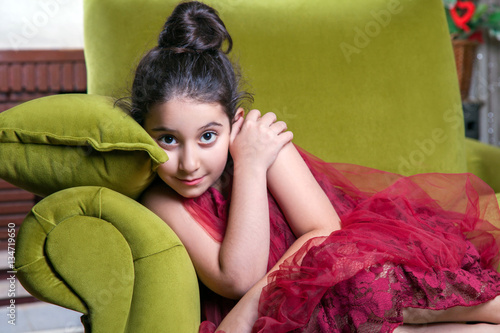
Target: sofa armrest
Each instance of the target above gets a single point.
(483, 160)
(103, 254)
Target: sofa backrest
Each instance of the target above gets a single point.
(370, 82)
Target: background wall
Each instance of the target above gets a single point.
(41, 24)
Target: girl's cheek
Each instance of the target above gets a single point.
(168, 167)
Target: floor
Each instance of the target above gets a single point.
(41, 318)
(35, 317)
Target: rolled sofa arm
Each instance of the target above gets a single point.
(483, 161)
(93, 250)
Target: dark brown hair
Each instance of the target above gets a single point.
(189, 63)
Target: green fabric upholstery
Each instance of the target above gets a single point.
(63, 141)
(99, 252)
(371, 82)
(366, 82)
(483, 160)
(360, 77)
(117, 34)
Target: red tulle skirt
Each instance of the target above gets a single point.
(426, 241)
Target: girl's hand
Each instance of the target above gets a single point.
(256, 140)
(243, 316)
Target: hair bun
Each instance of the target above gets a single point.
(194, 26)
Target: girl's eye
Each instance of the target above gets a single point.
(208, 137)
(168, 140)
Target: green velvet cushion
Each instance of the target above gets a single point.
(71, 140)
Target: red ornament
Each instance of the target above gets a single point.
(477, 36)
(468, 9)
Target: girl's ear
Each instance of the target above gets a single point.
(239, 113)
(239, 117)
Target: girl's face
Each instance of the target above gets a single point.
(196, 138)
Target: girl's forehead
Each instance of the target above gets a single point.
(186, 113)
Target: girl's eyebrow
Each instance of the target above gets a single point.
(166, 129)
(213, 123)
(162, 129)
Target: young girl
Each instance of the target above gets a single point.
(284, 242)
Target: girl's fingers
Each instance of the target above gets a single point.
(285, 138)
(267, 122)
(279, 126)
(253, 115)
(269, 118)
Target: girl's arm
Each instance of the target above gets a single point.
(298, 194)
(233, 267)
(309, 213)
(205, 253)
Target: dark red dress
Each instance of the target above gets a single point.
(425, 241)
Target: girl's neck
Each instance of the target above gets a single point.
(224, 183)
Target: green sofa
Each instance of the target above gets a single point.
(369, 82)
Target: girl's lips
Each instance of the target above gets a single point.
(191, 182)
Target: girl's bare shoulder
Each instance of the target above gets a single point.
(163, 201)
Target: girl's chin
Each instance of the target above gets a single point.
(190, 195)
(190, 192)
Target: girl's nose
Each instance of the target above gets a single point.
(189, 161)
